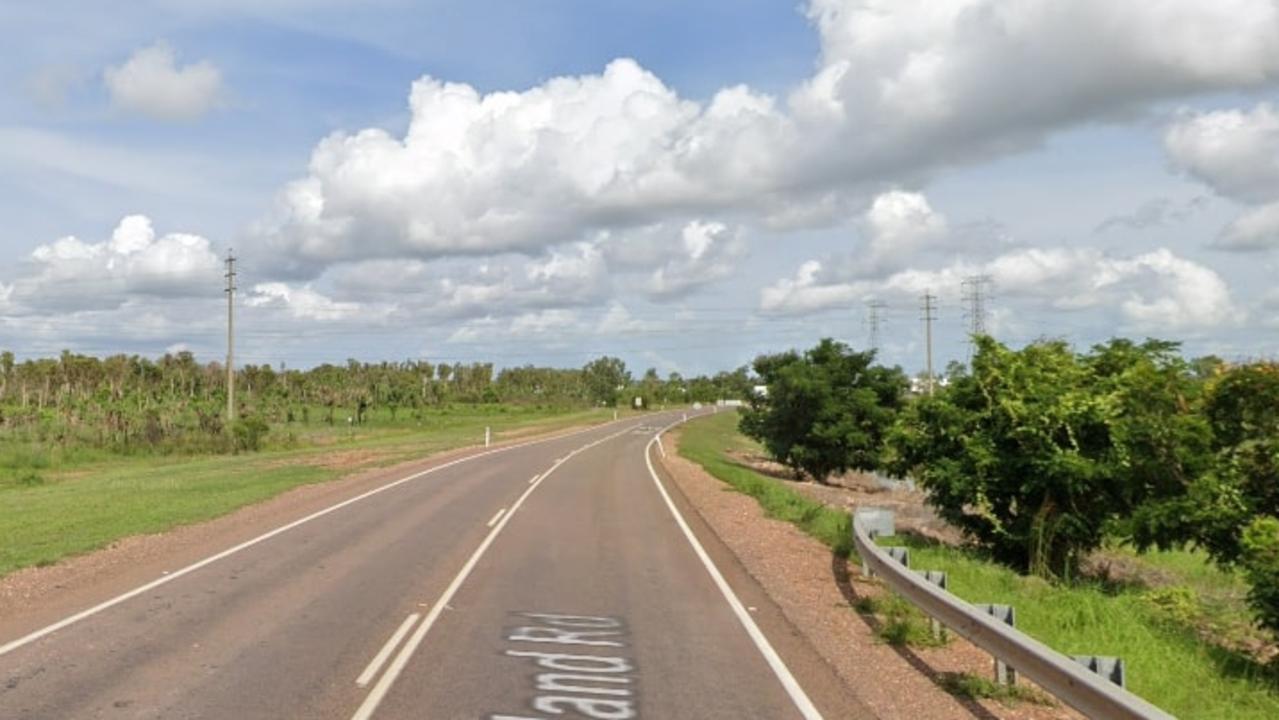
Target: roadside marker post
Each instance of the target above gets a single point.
(488, 436)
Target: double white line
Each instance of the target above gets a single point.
(379, 691)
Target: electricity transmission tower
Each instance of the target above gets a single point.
(874, 318)
(976, 293)
(929, 308)
(230, 335)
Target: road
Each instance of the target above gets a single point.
(555, 579)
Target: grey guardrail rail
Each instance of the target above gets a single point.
(1056, 673)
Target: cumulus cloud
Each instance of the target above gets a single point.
(151, 83)
(1236, 153)
(71, 274)
(903, 87)
(1153, 291)
(305, 303)
(706, 252)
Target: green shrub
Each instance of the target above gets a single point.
(1260, 562)
(249, 432)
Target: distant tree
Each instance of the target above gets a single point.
(603, 377)
(826, 411)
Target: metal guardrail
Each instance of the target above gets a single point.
(1059, 675)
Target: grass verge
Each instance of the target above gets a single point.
(70, 508)
(1159, 632)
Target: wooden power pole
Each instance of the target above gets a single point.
(230, 336)
(929, 308)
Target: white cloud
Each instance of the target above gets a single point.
(1236, 153)
(305, 303)
(71, 274)
(903, 87)
(1256, 229)
(706, 252)
(150, 83)
(1153, 291)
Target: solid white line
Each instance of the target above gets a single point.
(370, 704)
(797, 694)
(32, 637)
(535, 477)
(495, 517)
(367, 676)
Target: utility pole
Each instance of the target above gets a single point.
(230, 336)
(976, 291)
(929, 308)
(874, 318)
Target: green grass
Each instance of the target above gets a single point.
(708, 441)
(979, 688)
(77, 506)
(1158, 631)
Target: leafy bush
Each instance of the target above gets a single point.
(1260, 561)
(825, 411)
(1039, 453)
(249, 432)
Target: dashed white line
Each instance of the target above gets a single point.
(164, 579)
(379, 691)
(496, 517)
(370, 672)
(783, 673)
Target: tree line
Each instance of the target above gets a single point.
(130, 403)
(1042, 454)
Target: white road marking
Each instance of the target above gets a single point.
(370, 672)
(797, 694)
(374, 698)
(72, 619)
(534, 479)
(492, 522)
(660, 446)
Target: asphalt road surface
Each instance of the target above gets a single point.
(562, 578)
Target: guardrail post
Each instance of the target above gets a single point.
(878, 522)
(1111, 668)
(938, 578)
(1004, 675)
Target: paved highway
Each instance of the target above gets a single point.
(555, 579)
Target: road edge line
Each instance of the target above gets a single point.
(797, 695)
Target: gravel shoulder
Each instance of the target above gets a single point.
(816, 592)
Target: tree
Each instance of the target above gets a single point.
(1038, 453)
(826, 411)
(603, 377)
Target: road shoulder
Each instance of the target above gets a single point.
(809, 588)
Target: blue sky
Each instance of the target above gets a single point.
(746, 180)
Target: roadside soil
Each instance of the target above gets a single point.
(816, 591)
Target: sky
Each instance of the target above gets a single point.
(682, 185)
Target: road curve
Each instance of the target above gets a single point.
(554, 579)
